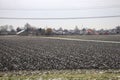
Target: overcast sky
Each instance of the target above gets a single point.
(61, 8)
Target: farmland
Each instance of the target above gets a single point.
(37, 53)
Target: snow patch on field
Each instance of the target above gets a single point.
(82, 40)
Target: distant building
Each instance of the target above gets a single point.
(27, 31)
(91, 32)
(3, 32)
(112, 31)
(22, 32)
(66, 32)
(76, 30)
(12, 32)
(71, 32)
(58, 32)
(118, 29)
(102, 32)
(83, 31)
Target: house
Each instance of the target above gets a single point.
(3, 32)
(118, 29)
(92, 32)
(76, 30)
(58, 32)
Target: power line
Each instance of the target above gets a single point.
(67, 9)
(60, 18)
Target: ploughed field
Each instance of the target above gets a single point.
(37, 53)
